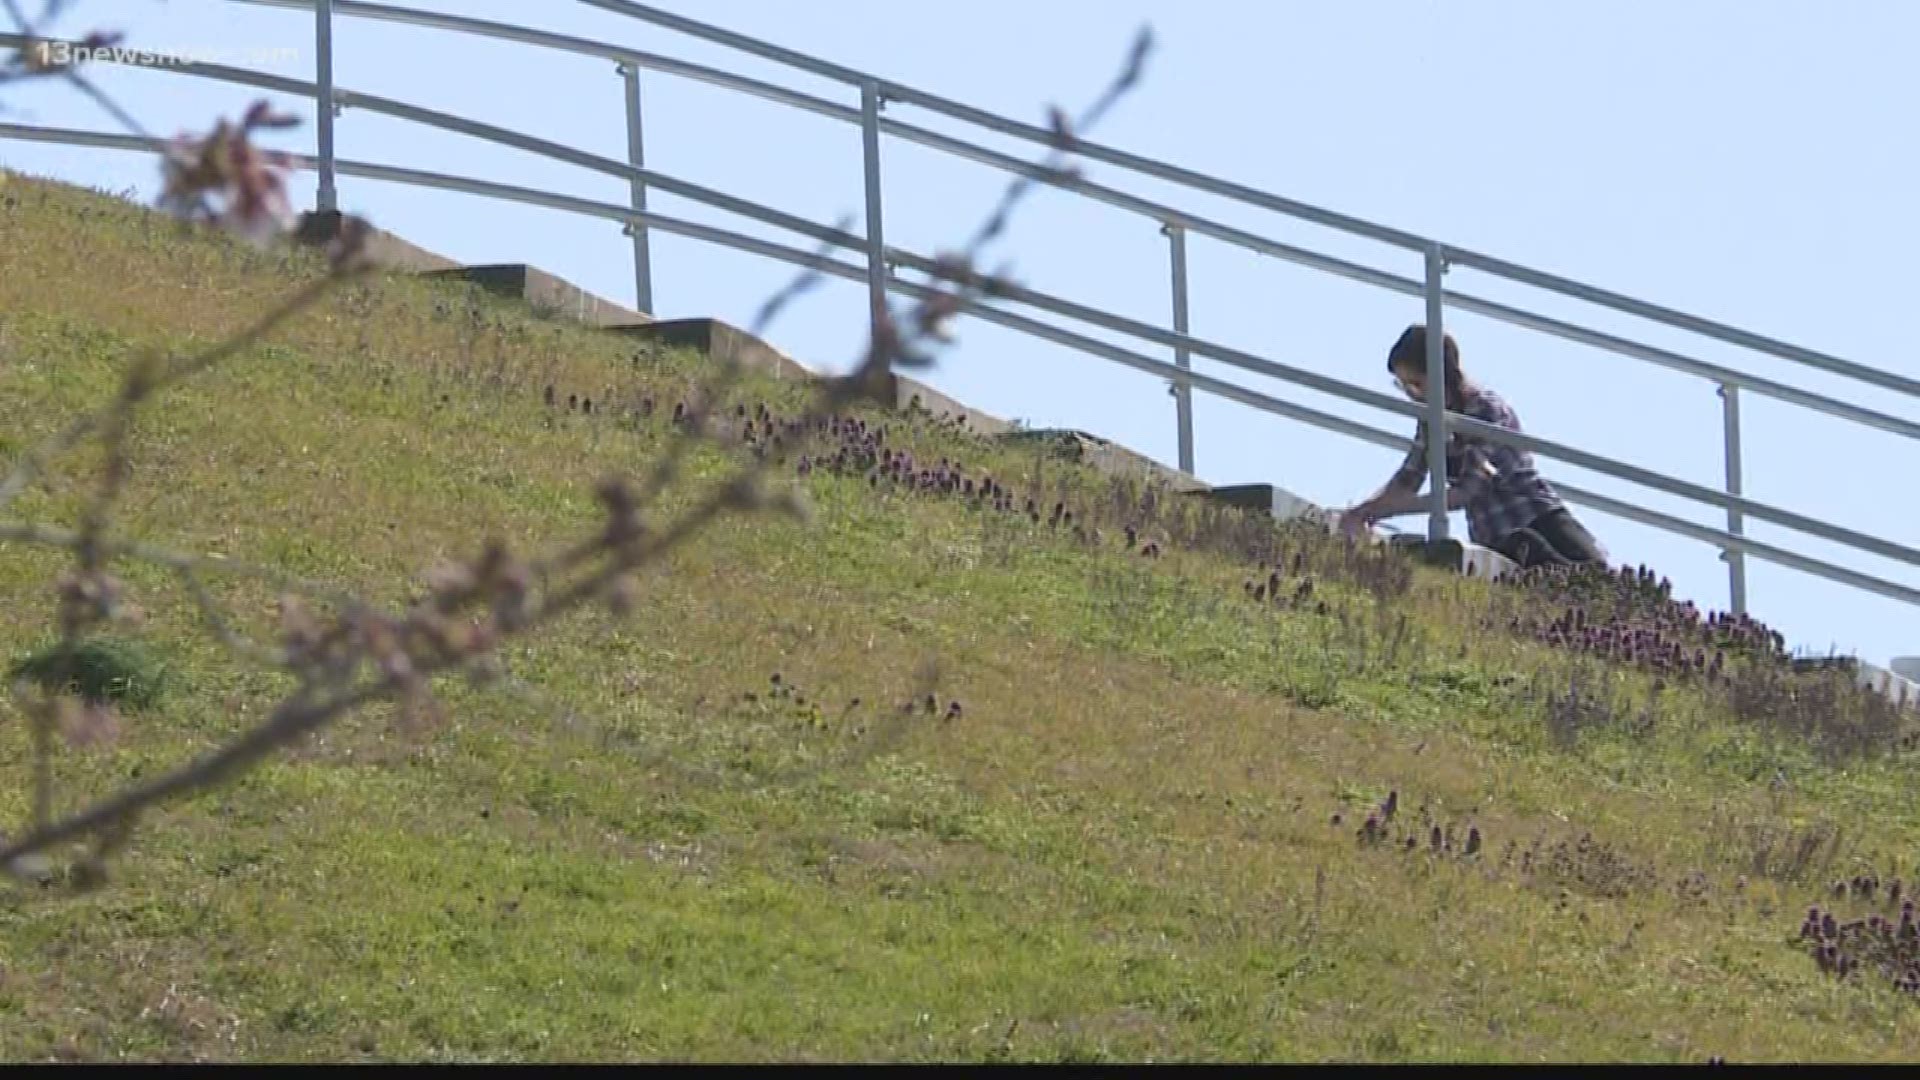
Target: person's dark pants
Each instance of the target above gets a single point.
(1554, 538)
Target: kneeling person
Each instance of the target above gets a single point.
(1510, 507)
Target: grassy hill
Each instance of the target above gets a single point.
(928, 777)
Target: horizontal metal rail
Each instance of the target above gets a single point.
(893, 91)
(1454, 255)
(1162, 213)
(507, 137)
(619, 54)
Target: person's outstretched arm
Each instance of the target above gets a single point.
(1401, 502)
(1401, 494)
(1401, 488)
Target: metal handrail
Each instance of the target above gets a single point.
(1092, 346)
(882, 258)
(1160, 212)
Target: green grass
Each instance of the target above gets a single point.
(1122, 849)
(98, 670)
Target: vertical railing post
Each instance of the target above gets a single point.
(637, 193)
(1182, 390)
(1436, 395)
(1736, 521)
(876, 240)
(327, 199)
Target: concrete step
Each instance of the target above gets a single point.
(1896, 687)
(1284, 505)
(1454, 554)
(546, 293)
(718, 341)
(383, 249)
(1104, 455)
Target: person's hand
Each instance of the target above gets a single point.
(1355, 521)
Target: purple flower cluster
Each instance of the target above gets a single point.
(1657, 647)
(1888, 947)
(1629, 616)
(1820, 704)
(860, 449)
(1375, 832)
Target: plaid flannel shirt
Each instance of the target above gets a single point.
(1497, 501)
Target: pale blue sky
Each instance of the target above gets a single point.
(1746, 161)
